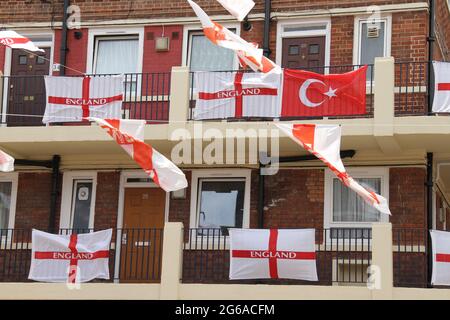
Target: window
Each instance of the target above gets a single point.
(220, 199)
(78, 200)
(203, 55)
(116, 55)
(345, 209)
(373, 40)
(8, 195)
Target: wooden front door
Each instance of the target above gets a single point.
(304, 53)
(26, 87)
(141, 242)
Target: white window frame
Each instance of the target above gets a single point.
(66, 214)
(12, 177)
(113, 32)
(281, 34)
(369, 172)
(359, 20)
(219, 174)
(188, 29)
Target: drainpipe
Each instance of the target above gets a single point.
(431, 39)
(54, 194)
(63, 49)
(429, 185)
(266, 44)
(261, 196)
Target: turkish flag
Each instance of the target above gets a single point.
(307, 94)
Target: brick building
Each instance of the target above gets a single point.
(400, 148)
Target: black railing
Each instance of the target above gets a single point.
(410, 247)
(342, 256)
(135, 254)
(411, 88)
(147, 97)
(320, 69)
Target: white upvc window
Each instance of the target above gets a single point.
(345, 209)
(8, 199)
(200, 54)
(220, 199)
(372, 39)
(78, 200)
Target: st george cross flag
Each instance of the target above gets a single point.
(324, 141)
(441, 102)
(6, 162)
(248, 53)
(70, 99)
(14, 40)
(235, 95)
(129, 134)
(311, 94)
(70, 258)
(273, 254)
(238, 8)
(441, 257)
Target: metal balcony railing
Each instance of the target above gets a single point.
(411, 88)
(147, 97)
(342, 257)
(135, 254)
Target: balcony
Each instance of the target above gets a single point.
(150, 96)
(345, 257)
(147, 97)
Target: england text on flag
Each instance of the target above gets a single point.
(238, 8)
(6, 162)
(70, 99)
(70, 258)
(248, 53)
(129, 134)
(273, 254)
(235, 95)
(441, 257)
(324, 141)
(14, 40)
(441, 102)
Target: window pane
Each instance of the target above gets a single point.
(117, 56)
(221, 204)
(5, 202)
(372, 46)
(206, 56)
(82, 196)
(350, 207)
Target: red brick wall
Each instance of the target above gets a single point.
(409, 36)
(407, 197)
(107, 200)
(33, 200)
(442, 46)
(76, 57)
(163, 61)
(342, 40)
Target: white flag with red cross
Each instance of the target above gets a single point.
(6, 162)
(70, 99)
(129, 134)
(324, 141)
(237, 94)
(273, 254)
(14, 40)
(441, 102)
(248, 53)
(70, 258)
(441, 257)
(238, 8)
